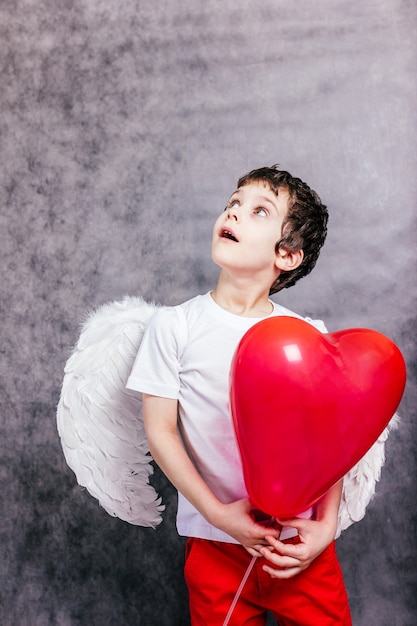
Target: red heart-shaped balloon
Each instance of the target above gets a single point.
(307, 406)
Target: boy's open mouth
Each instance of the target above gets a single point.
(227, 234)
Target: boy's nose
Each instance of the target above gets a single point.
(232, 214)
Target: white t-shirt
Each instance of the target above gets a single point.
(186, 354)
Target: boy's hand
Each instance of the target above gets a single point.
(237, 520)
(315, 536)
(288, 559)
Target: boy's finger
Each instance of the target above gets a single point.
(283, 573)
(286, 549)
(280, 561)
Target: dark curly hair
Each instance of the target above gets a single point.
(305, 225)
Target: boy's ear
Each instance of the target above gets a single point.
(286, 260)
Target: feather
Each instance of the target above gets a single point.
(100, 422)
(359, 484)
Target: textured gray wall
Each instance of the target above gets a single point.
(124, 126)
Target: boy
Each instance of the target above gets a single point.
(269, 236)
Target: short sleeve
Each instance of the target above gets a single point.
(318, 324)
(157, 365)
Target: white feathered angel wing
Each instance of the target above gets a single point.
(359, 484)
(100, 422)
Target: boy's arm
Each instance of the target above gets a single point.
(160, 420)
(315, 536)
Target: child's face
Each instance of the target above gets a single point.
(245, 234)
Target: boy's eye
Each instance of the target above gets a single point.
(233, 204)
(261, 211)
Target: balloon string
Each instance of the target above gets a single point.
(239, 591)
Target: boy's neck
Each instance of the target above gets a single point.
(244, 300)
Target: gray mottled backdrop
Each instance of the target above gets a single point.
(124, 126)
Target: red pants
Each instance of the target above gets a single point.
(214, 570)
